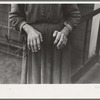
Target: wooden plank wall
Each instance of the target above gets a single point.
(4, 24)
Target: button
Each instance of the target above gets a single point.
(42, 14)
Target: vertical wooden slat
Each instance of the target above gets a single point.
(85, 40)
(98, 41)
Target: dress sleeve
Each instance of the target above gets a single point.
(72, 15)
(17, 16)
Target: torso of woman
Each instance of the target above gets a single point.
(43, 13)
(46, 18)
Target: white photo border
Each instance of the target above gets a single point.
(50, 91)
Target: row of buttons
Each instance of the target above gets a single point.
(45, 9)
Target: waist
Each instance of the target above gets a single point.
(48, 26)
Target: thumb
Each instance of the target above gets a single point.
(55, 33)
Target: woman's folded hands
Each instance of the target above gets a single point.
(34, 38)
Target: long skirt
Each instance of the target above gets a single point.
(49, 65)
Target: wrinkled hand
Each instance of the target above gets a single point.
(61, 37)
(34, 38)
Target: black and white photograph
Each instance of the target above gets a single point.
(49, 50)
(50, 43)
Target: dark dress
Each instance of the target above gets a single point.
(49, 65)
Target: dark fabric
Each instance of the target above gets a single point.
(44, 13)
(49, 65)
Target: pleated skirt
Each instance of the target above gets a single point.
(49, 65)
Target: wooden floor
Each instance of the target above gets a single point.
(10, 71)
(92, 76)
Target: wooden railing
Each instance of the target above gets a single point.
(87, 63)
(86, 19)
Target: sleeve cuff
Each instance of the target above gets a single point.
(68, 26)
(21, 24)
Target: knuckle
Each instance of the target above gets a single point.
(57, 40)
(61, 40)
(34, 38)
(62, 34)
(38, 35)
(29, 39)
(59, 34)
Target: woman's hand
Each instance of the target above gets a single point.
(61, 37)
(34, 38)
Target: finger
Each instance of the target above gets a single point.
(35, 45)
(60, 41)
(64, 42)
(55, 33)
(41, 38)
(31, 45)
(57, 38)
(28, 44)
(38, 44)
(61, 45)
